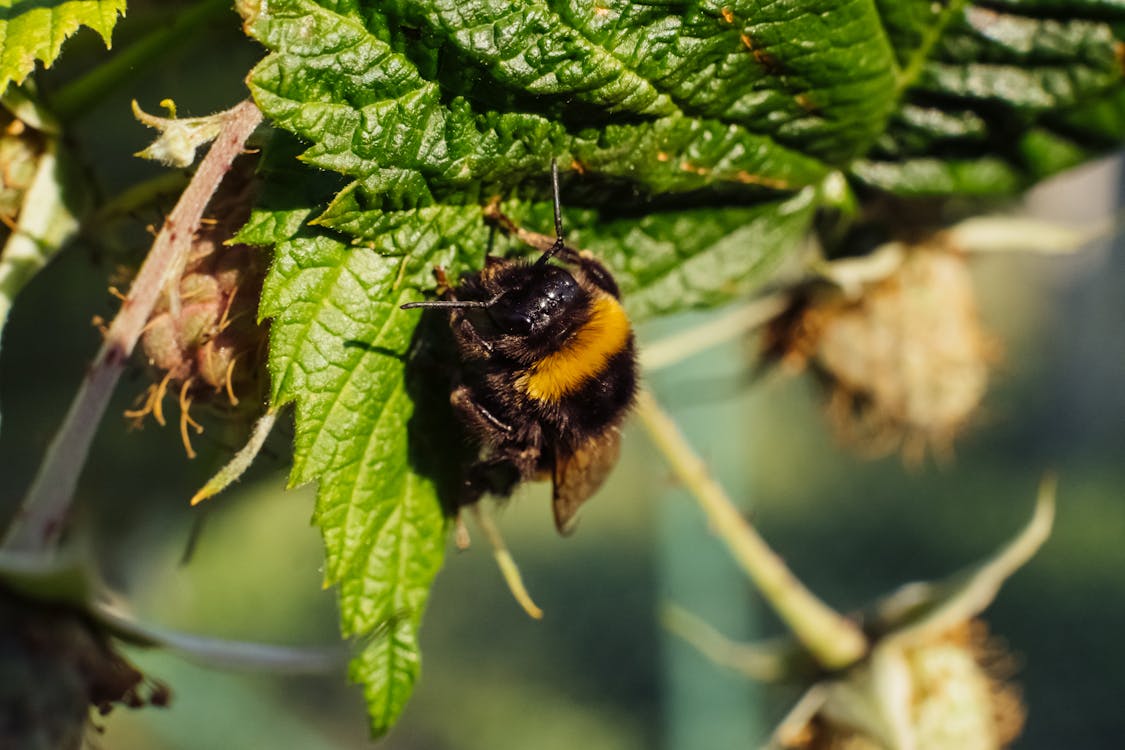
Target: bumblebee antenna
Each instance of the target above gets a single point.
(558, 203)
(452, 303)
(559, 242)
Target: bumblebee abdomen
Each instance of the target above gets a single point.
(588, 354)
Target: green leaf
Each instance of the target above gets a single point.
(338, 348)
(696, 141)
(338, 351)
(33, 31)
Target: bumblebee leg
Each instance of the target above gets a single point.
(494, 215)
(444, 288)
(496, 476)
(469, 340)
(461, 532)
(479, 417)
(499, 474)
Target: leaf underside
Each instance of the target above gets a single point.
(696, 140)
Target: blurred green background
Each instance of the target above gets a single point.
(598, 672)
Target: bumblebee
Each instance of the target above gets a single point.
(547, 368)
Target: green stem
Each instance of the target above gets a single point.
(76, 98)
(136, 197)
(834, 641)
(772, 662)
(733, 324)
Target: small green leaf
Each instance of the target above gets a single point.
(32, 31)
(931, 176)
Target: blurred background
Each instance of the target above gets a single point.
(598, 671)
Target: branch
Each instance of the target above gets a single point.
(730, 325)
(40, 520)
(833, 641)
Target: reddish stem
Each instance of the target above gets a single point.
(43, 514)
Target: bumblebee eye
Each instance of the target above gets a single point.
(559, 287)
(532, 307)
(511, 318)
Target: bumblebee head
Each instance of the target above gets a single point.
(534, 308)
(538, 303)
(548, 295)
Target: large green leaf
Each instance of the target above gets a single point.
(696, 140)
(33, 31)
(338, 347)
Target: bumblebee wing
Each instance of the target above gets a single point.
(578, 475)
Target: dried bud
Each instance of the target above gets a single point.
(179, 137)
(903, 356)
(20, 147)
(58, 667)
(931, 679)
(950, 692)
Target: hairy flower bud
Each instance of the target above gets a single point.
(902, 357)
(948, 692)
(203, 339)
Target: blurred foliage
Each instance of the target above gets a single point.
(589, 670)
(704, 137)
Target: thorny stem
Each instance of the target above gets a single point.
(39, 522)
(832, 640)
(222, 654)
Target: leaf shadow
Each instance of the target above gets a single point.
(370, 348)
(439, 448)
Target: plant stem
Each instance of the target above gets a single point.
(508, 568)
(165, 185)
(732, 324)
(77, 97)
(760, 662)
(40, 520)
(833, 641)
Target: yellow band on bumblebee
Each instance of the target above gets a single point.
(585, 355)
